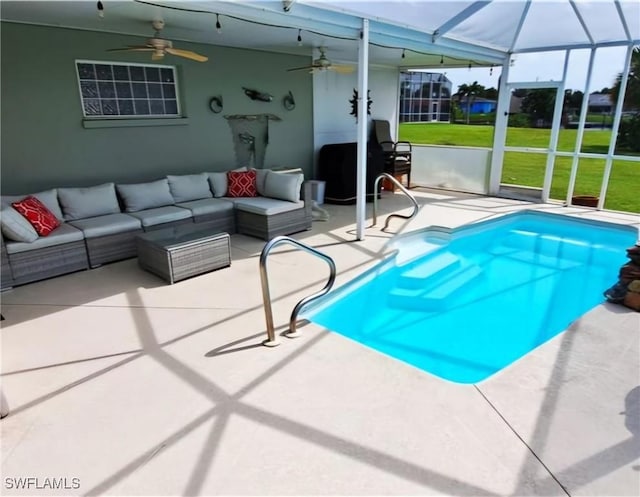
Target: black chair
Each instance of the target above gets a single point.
(397, 155)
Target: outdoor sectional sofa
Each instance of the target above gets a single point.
(99, 224)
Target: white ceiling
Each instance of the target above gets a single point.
(458, 32)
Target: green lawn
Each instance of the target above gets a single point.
(528, 169)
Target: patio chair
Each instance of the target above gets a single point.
(397, 155)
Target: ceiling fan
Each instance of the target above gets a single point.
(161, 46)
(323, 63)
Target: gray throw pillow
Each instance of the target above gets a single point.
(48, 197)
(283, 186)
(81, 203)
(187, 187)
(16, 227)
(141, 196)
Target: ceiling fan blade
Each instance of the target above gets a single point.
(132, 48)
(342, 69)
(187, 54)
(303, 68)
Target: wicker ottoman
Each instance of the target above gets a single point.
(183, 251)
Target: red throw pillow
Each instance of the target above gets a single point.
(241, 184)
(41, 218)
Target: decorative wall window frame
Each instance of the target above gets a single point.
(124, 95)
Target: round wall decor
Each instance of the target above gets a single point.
(215, 104)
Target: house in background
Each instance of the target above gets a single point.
(424, 97)
(600, 103)
(478, 105)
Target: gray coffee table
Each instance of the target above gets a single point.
(183, 251)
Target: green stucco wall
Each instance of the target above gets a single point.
(44, 143)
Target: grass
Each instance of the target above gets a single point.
(528, 169)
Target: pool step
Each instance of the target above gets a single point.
(439, 265)
(437, 295)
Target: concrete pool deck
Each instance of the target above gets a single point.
(123, 385)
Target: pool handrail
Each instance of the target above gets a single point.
(271, 340)
(388, 176)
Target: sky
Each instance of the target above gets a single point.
(548, 66)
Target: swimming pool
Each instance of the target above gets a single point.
(463, 304)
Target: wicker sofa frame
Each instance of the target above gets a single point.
(46, 262)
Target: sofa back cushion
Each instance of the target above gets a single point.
(48, 197)
(140, 196)
(187, 187)
(81, 203)
(283, 186)
(15, 226)
(261, 176)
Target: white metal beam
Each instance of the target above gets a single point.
(516, 35)
(500, 128)
(615, 128)
(555, 132)
(460, 17)
(581, 21)
(581, 122)
(363, 88)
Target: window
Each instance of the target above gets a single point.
(127, 90)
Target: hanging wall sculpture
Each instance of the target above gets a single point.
(354, 103)
(250, 135)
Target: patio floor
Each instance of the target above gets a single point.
(125, 385)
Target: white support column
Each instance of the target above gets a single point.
(500, 130)
(615, 128)
(555, 132)
(363, 88)
(581, 121)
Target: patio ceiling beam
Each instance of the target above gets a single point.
(448, 48)
(581, 21)
(463, 15)
(304, 17)
(523, 17)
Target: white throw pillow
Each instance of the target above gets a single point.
(283, 186)
(16, 227)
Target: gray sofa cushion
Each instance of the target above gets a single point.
(64, 233)
(187, 187)
(265, 206)
(110, 224)
(261, 176)
(48, 197)
(283, 186)
(207, 206)
(15, 226)
(139, 196)
(80, 203)
(160, 215)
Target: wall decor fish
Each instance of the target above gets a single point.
(257, 95)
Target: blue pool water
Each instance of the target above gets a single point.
(479, 297)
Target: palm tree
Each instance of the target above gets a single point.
(632, 96)
(470, 92)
